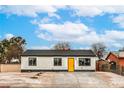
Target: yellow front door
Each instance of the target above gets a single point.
(70, 64)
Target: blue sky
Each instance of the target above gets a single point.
(43, 26)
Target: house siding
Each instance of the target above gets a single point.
(121, 61)
(47, 63)
(112, 57)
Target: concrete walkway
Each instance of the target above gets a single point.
(62, 80)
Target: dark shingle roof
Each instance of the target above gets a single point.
(59, 53)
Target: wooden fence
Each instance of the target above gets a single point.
(120, 70)
(105, 66)
(10, 67)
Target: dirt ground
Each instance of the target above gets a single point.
(61, 80)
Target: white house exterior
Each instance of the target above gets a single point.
(58, 60)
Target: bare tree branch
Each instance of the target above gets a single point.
(62, 46)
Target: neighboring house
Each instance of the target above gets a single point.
(115, 59)
(58, 60)
(112, 57)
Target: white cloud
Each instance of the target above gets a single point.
(54, 15)
(85, 48)
(40, 47)
(65, 28)
(119, 20)
(8, 36)
(31, 11)
(73, 32)
(66, 31)
(92, 11)
(86, 11)
(114, 35)
(113, 38)
(79, 33)
(42, 21)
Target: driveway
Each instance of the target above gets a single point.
(61, 80)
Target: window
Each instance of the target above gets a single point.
(57, 61)
(32, 62)
(81, 61)
(84, 62)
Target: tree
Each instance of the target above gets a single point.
(16, 48)
(1, 52)
(99, 49)
(11, 48)
(62, 46)
(3, 49)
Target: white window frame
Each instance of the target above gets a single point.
(84, 64)
(57, 63)
(32, 62)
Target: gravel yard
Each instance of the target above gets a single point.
(61, 80)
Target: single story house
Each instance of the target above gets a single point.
(58, 60)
